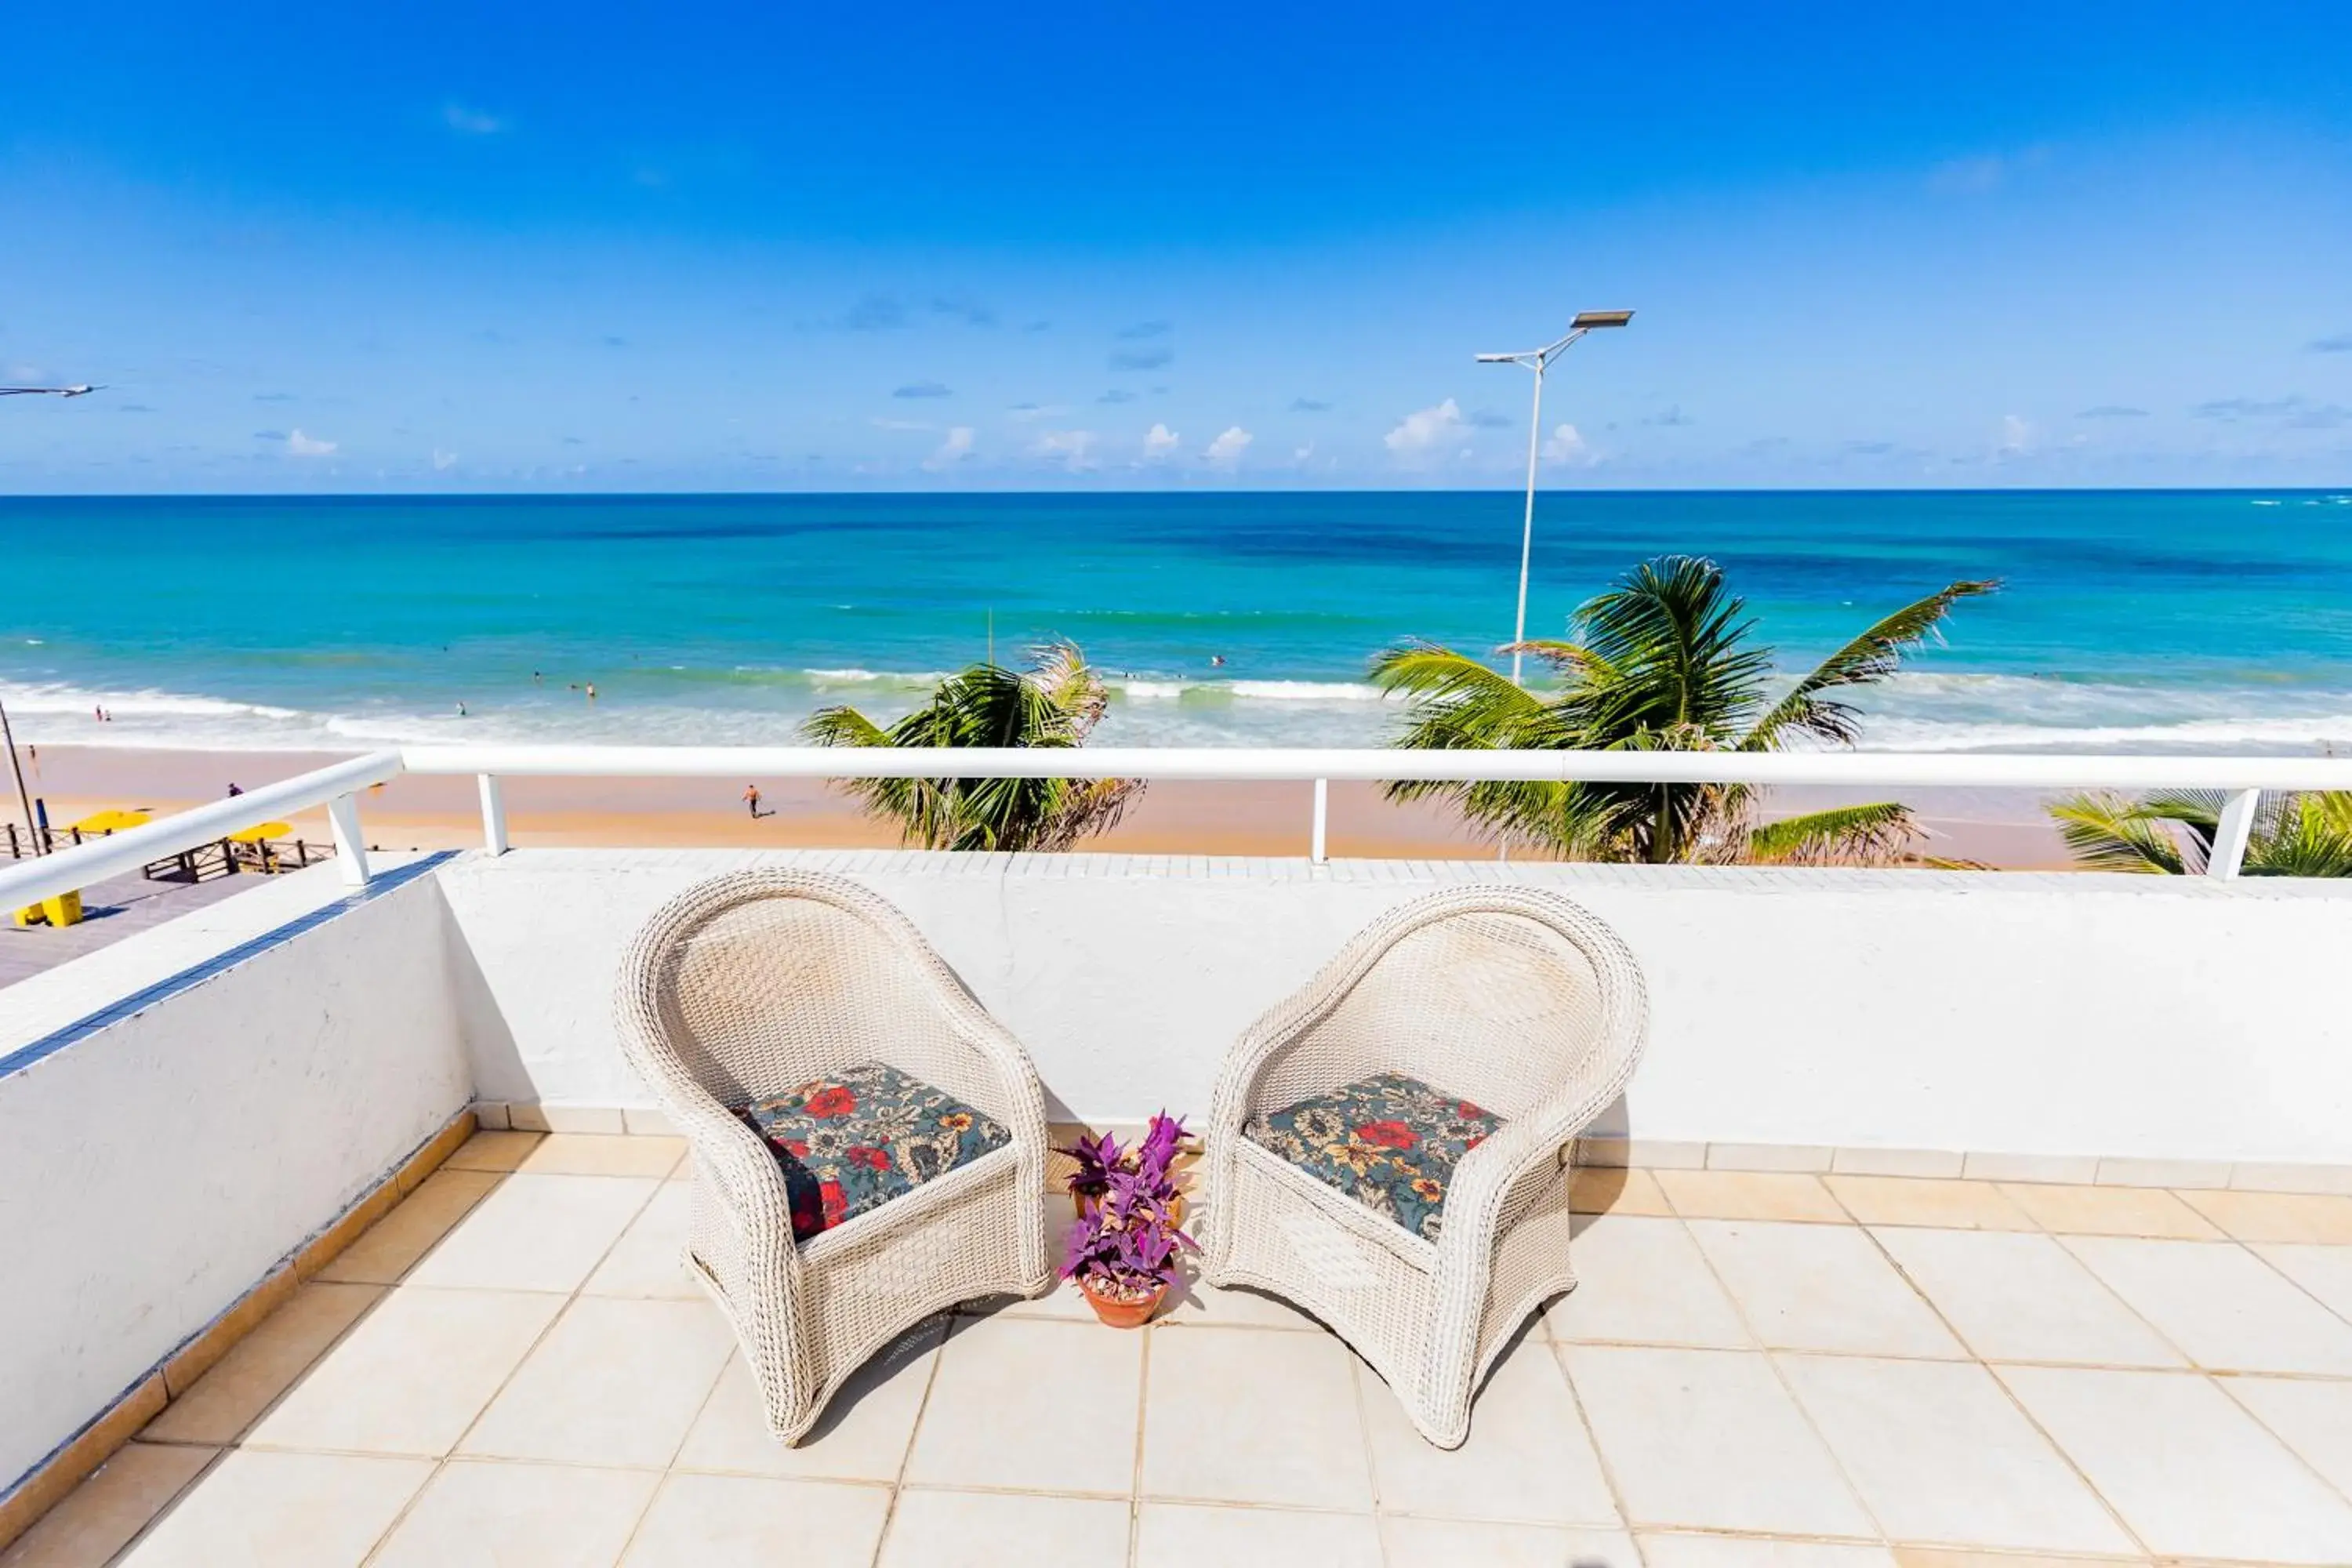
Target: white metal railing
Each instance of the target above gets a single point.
(2244, 777)
(337, 786)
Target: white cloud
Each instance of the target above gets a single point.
(1158, 442)
(2016, 436)
(1228, 447)
(1068, 447)
(470, 121)
(442, 459)
(953, 450)
(301, 446)
(880, 424)
(1567, 446)
(1301, 454)
(1426, 431)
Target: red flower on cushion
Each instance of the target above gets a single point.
(1469, 1112)
(835, 1205)
(797, 1147)
(807, 1221)
(1470, 1144)
(1388, 1134)
(833, 1100)
(872, 1158)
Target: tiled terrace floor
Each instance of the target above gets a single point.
(1766, 1369)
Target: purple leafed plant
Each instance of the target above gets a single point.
(1098, 1159)
(1127, 1244)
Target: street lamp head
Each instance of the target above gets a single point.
(1586, 320)
(1499, 359)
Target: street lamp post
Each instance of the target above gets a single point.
(1539, 361)
(48, 391)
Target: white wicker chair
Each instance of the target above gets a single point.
(1511, 997)
(752, 984)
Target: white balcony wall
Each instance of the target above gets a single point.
(2119, 1016)
(155, 1170)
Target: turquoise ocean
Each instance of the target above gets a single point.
(2139, 620)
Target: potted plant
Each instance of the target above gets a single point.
(1100, 1158)
(1124, 1249)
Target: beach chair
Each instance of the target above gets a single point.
(1388, 1147)
(869, 1144)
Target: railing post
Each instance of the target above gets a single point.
(494, 814)
(1322, 821)
(2229, 838)
(350, 849)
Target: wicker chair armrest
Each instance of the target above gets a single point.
(1484, 1179)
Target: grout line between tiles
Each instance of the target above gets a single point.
(2009, 1394)
(914, 1435)
(1135, 1471)
(1780, 1376)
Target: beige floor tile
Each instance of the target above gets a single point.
(741, 1521)
(863, 1434)
(2024, 1298)
(1527, 1459)
(282, 1510)
(2312, 1416)
(1459, 1543)
(1676, 1550)
(1939, 1454)
(1749, 1195)
(494, 1151)
(602, 1155)
(1911, 1200)
(1821, 1287)
(1005, 1407)
(1615, 1189)
(1969, 1557)
(2221, 1304)
(549, 1516)
(2320, 1218)
(1710, 1440)
(107, 1510)
(2191, 1473)
(264, 1364)
(392, 1245)
(991, 1530)
(647, 1260)
(1301, 1442)
(1176, 1535)
(1644, 1281)
(412, 1375)
(613, 1383)
(2071, 1210)
(536, 1233)
(2325, 1271)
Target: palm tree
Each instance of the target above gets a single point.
(1663, 661)
(2172, 831)
(1055, 703)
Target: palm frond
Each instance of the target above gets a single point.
(1873, 656)
(2116, 833)
(1056, 704)
(2305, 835)
(1874, 835)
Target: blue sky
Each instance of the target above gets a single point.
(692, 247)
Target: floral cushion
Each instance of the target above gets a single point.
(1390, 1142)
(856, 1140)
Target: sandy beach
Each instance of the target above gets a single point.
(1996, 828)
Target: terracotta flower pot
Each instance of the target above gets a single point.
(1118, 1312)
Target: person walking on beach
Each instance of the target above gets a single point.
(751, 799)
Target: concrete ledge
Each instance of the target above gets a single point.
(47, 1484)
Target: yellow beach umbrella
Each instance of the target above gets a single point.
(109, 821)
(261, 832)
